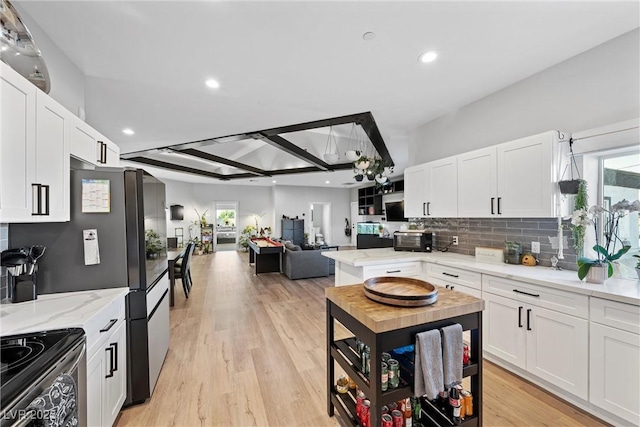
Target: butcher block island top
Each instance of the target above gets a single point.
(380, 317)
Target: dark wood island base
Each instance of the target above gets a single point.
(383, 328)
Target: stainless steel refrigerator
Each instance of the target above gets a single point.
(122, 207)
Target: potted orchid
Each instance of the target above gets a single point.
(612, 248)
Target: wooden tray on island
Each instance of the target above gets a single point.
(400, 291)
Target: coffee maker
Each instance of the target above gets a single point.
(22, 269)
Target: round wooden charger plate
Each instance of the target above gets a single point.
(400, 291)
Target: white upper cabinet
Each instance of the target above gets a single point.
(513, 180)
(34, 153)
(430, 189)
(88, 145)
(17, 144)
(53, 128)
(415, 191)
(442, 188)
(477, 183)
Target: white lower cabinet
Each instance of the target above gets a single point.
(107, 375)
(615, 359)
(549, 344)
(457, 279)
(401, 269)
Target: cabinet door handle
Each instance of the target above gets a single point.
(36, 203)
(492, 200)
(104, 155)
(452, 287)
(424, 206)
(446, 286)
(499, 210)
(528, 319)
(115, 356)
(109, 325)
(428, 208)
(520, 316)
(450, 275)
(393, 271)
(110, 350)
(46, 202)
(526, 293)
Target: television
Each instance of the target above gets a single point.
(395, 211)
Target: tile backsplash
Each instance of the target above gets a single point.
(4, 244)
(493, 232)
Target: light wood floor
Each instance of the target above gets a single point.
(250, 351)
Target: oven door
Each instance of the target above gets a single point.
(73, 363)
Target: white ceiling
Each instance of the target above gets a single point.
(282, 63)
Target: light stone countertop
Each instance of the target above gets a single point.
(615, 289)
(56, 311)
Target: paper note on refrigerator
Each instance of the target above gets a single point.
(96, 196)
(91, 249)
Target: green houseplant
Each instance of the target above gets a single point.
(243, 240)
(638, 265)
(152, 244)
(608, 252)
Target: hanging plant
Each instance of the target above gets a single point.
(572, 185)
(580, 203)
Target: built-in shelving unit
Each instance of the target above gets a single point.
(370, 198)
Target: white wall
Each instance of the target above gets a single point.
(595, 88)
(252, 201)
(67, 81)
(294, 201)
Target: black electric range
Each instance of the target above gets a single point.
(26, 357)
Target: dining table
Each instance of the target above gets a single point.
(173, 255)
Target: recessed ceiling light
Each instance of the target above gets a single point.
(213, 84)
(128, 131)
(369, 35)
(428, 57)
(327, 182)
(274, 181)
(4, 48)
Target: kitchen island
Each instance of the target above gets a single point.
(571, 338)
(383, 328)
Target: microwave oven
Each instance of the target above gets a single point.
(415, 241)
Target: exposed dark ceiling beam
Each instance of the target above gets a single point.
(281, 143)
(338, 166)
(213, 158)
(335, 121)
(370, 127)
(272, 137)
(179, 168)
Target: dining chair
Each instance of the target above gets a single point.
(182, 269)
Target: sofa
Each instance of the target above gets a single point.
(302, 264)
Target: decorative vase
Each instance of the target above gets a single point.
(598, 274)
(359, 177)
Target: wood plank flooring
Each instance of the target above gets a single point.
(250, 351)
